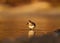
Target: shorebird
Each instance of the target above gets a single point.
(31, 26)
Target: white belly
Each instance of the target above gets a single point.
(31, 27)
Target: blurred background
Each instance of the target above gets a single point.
(14, 14)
